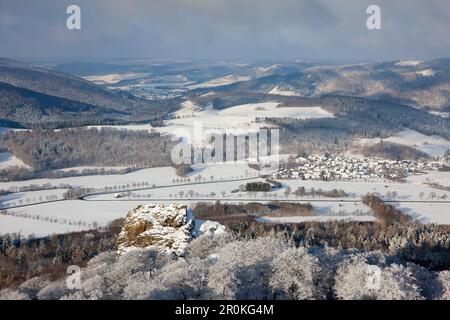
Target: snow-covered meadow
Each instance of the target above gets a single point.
(432, 145)
(115, 77)
(238, 119)
(324, 218)
(38, 228)
(9, 160)
(31, 197)
(282, 92)
(158, 176)
(415, 198)
(221, 81)
(412, 197)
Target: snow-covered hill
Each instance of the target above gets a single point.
(434, 146)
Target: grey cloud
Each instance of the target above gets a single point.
(226, 29)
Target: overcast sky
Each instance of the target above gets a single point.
(226, 29)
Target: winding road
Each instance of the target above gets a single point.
(213, 199)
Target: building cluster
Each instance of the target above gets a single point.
(336, 167)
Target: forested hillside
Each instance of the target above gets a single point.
(50, 149)
(30, 108)
(36, 96)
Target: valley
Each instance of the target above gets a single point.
(213, 183)
(231, 98)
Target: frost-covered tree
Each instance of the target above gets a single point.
(53, 291)
(356, 279)
(5, 244)
(33, 286)
(112, 276)
(180, 280)
(137, 286)
(293, 274)
(203, 247)
(287, 191)
(243, 269)
(429, 283)
(97, 288)
(10, 294)
(444, 279)
(116, 276)
(223, 267)
(223, 281)
(398, 283)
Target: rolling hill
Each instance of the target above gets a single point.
(33, 95)
(420, 84)
(24, 107)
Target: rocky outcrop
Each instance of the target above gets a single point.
(153, 225)
(208, 228)
(165, 228)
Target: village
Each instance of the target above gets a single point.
(336, 167)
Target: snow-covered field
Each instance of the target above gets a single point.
(152, 176)
(440, 177)
(239, 119)
(158, 176)
(9, 160)
(441, 114)
(38, 228)
(337, 209)
(29, 197)
(131, 127)
(427, 212)
(272, 110)
(5, 129)
(408, 63)
(66, 216)
(76, 215)
(278, 91)
(356, 189)
(265, 69)
(430, 211)
(115, 77)
(222, 81)
(203, 190)
(432, 145)
(324, 218)
(81, 168)
(77, 210)
(188, 109)
(426, 73)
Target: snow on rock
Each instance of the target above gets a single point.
(165, 228)
(208, 228)
(154, 225)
